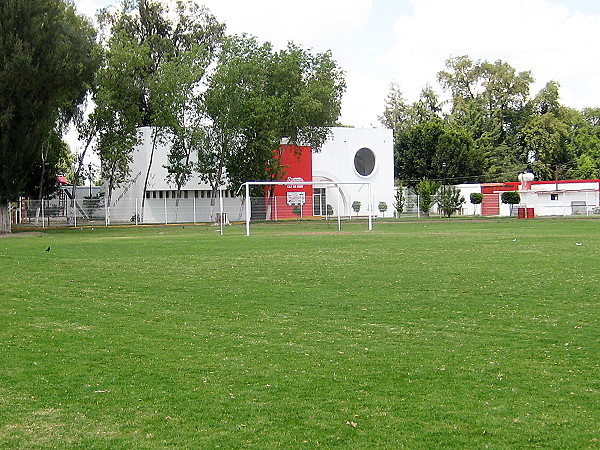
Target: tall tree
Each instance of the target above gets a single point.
(435, 151)
(161, 40)
(489, 100)
(258, 98)
(49, 56)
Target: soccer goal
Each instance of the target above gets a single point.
(298, 197)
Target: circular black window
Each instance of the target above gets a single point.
(364, 161)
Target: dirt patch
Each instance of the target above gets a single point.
(21, 234)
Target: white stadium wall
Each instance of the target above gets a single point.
(337, 161)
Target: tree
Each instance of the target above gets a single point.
(157, 54)
(434, 151)
(399, 200)
(450, 200)
(45, 74)
(382, 207)
(489, 101)
(511, 198)
(546, 138)
(476, 198)
(356, 206)
(426, 189)
(261, 103)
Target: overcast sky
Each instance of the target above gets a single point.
(377, 42)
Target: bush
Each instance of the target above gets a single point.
(356, 206)
(399, 200)
(476, 198)
(450, 200)
(426, 190)
(511, 198)
(382, 208)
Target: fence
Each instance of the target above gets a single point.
(95, 211)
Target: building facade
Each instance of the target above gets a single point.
(350, 155)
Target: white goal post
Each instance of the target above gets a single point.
(335, 184)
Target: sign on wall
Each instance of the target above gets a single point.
(296, 198)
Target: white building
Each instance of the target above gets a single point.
(538, 198)
(350, 155)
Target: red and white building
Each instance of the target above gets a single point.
(350, 155)
(538, 198)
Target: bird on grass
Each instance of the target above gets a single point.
(48, 249)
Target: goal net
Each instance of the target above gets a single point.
(293, 199)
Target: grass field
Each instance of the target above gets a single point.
(461, 334)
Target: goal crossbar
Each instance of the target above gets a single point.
(326, 183)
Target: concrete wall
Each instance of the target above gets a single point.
(334, 162)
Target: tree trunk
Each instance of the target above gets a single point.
(154, 139)
(270, 198)
(78, 173)
(41, 191)
(5, 226)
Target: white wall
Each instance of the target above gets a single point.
(335, 162)
(468, 208)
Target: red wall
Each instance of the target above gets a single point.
(297, 163)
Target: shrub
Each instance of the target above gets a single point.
(512, 198)
(399, 200)
(426, 190)
(450, 200)
(382, 207)
(476, 199)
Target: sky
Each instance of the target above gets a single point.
(377, 42)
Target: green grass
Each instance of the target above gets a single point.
(422, 335)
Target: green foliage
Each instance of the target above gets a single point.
(493, 131)
(426, 190)
(356, 206)
(433, 150)
(297, 210)
(382, 206)
(399, 200)
(450, 200)
(329, 210)
(476, 198)
(510, 197)
(546, 137)
(48, 58)
(258, 98)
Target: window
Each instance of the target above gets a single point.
(364, 161)
(185, 194)
(153, 194)
(160, 194)
(553, 196)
